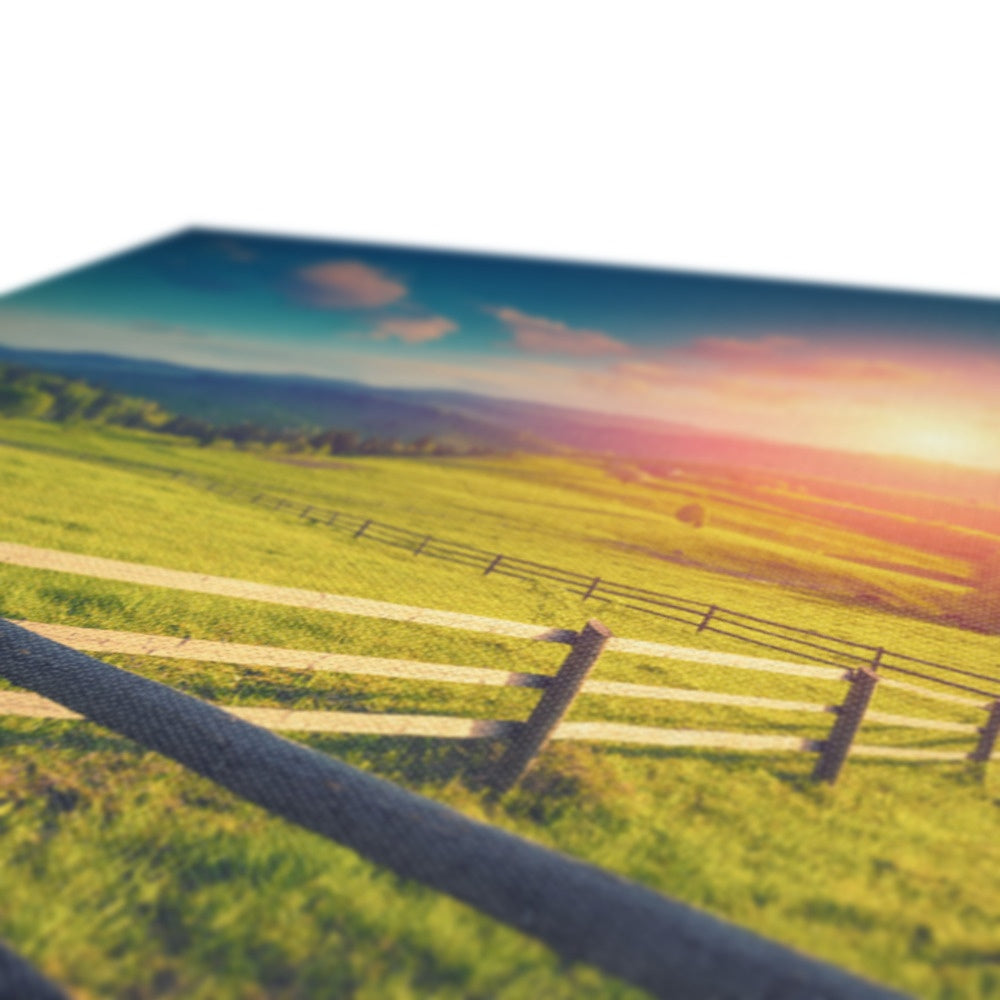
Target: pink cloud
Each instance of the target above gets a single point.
(634, 377)
(347, 284)
(650, 373)
(784, 357)
(539, 335)
(739, 350)
(845, 369)
(414, 331)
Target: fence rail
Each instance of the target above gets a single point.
(208, 651)
(33, 706)
(561, 688)
(817, 647)
(139, 573)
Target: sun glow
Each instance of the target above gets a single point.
(943, 441)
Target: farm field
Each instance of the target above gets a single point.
(181, 890)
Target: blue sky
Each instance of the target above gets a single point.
(781, 358)
(273, 287)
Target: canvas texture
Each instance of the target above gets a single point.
(389, 622)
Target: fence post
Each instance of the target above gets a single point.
(837, 745)
(18, 979)
(423, 544)
(988, 735)
(333, 517)
(493, 565)
(364, 527)
(708, 617)
(593, 586)
(557, 696)
(306, 510)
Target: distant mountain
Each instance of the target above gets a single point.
(660, 445)
(279, 402)
(299, 401)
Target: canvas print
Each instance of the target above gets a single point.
(390, 622)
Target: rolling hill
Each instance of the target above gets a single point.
(466, 419)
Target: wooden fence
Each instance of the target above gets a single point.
(656, 943)
(582, 912)
(525, 739)
(762, 633)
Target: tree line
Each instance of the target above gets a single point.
(25, 392)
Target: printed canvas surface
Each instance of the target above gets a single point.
(379, 622)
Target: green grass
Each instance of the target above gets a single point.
(570, 512)
(126, 876)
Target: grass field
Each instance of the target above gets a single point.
(126, 876)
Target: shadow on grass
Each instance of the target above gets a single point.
(565, 775)
(970, 956)
(61, 736)
(413, 761)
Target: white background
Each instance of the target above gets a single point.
(847, 142)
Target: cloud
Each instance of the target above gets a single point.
(549, 336)
(653, 371)
(736, 349)
(843, 369)
(414, 331)
(631, 375)
(635, 379)
(346, 284)
(793, 358)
